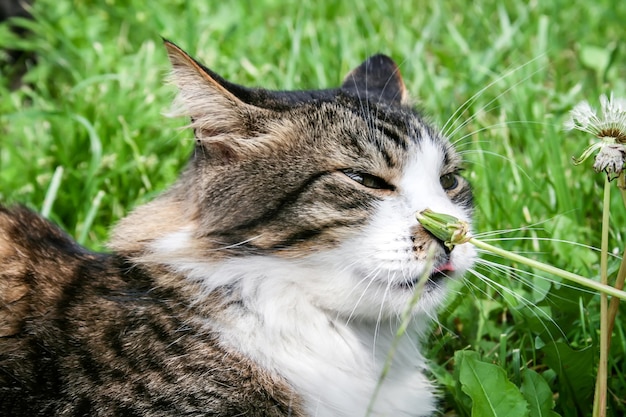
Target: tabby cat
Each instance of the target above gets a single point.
(268, 281)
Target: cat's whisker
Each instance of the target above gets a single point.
(529, 305)
(485, 109)
(520, 274)
(490, 153)
(527, 228)
(369, 279)
(457, 114)
(381, 312)
(235, 245)
(496, 236)
(523, 123)
(498, 156)
(545, 239)
(395, 91)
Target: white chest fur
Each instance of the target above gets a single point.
(335, 366)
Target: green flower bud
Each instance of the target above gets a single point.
(444, 227)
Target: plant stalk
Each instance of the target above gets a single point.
(621, 275)
(585, 282)
(599, 401)
(455, 232)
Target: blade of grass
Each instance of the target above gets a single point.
(405, 320)
(52, 191)
(91, 215)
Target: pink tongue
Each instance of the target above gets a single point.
(445, 267)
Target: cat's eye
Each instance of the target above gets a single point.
(368, 180)
(449, 181)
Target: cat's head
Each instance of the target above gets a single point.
(314, 190)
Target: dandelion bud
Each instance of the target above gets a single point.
(444, 227)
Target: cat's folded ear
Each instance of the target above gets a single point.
(377, 78)
(210, 101)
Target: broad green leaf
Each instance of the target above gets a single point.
(599, 59)
(576, 380)
(492, 394)
(537, 393)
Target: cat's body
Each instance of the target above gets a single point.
(269, 280)
(89, 334)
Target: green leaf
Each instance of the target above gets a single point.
(575, 372)
(492, 394)
(537, 393)
(599, 59)
(595, 58)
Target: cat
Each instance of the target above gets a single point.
(269, 280)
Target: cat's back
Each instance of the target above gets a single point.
(29, 262)
(83, 333)
(43, 272)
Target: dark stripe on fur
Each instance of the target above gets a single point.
(306, 235)
(283, 203)
(392, 132)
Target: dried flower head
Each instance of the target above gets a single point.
(609, 126)
(610, 159)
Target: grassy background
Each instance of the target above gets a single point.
(89, 109)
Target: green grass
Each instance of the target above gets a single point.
(90, 109)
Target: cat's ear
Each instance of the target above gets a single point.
(377, 78)
(210, 101)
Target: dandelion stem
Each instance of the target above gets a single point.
(454, 232)
(585, 282)
(619, 284)
(621, 277)
(599, 401)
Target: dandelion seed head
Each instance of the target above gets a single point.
(609, 125)
(583, 117)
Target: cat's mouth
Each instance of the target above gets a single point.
(438, 274)
(442, 271)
